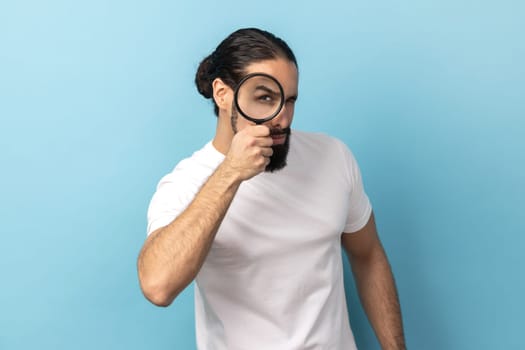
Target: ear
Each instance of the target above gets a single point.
(222, 94)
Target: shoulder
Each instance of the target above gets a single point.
(315, 137)
(323, 149)
(195, 167)
(318, 142)
(206, 157)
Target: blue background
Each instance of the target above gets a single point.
(97, 102)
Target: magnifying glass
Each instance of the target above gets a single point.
(259, 97)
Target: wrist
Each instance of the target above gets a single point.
(228, 174)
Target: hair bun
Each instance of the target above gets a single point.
(203, 78)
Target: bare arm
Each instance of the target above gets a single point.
(173, 255)
(375, 284)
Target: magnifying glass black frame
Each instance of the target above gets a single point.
(256, 120)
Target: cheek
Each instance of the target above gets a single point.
(291, 108)
(289, 111)
(241, 122)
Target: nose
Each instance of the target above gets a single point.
(284, 118)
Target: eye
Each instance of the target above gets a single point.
(265, 98)
(291, 101)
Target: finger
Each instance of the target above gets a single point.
(267, 151)
(260, 130)
(266, 141)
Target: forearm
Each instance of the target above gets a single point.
(173, 255)
(377, 291)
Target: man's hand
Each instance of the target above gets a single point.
(250, 151)
(375, 284)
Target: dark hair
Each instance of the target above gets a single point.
(238, 50)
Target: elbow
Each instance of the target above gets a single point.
(158, 299)
(157, 293)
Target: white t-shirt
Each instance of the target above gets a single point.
(273, 278)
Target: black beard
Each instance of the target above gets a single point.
(280, 152)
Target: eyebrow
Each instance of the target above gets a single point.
(292, 98)
(275, 93)
(267, 89)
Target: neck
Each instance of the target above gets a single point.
(223, 135)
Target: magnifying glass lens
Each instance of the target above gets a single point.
(259, 98)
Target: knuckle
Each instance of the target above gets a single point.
(251, 141)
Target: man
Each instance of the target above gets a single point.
(258, 217)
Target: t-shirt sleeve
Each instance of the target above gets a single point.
(177, 190)
(359, 206)
(173, 195)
